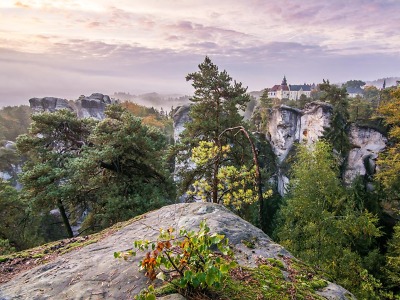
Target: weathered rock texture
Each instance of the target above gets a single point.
(284, 130)
(50, 104)
(315, 118)
(181, 117)
(367, 143)
(288, 126)
(93, 273)
(92, 106)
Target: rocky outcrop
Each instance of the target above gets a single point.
(50, 104)
(181, 117)
(93, 273)
(316, 116)
(288, 125)
(92, 106)
(366, 143)
(283, 130)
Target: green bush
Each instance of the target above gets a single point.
(187, 261)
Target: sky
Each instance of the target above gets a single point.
(65, 48)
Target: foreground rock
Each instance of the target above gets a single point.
(93, 273)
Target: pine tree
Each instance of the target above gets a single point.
(216, 104)
(53, 141)
(122, 172)
(336, 133)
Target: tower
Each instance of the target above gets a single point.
(284, 82)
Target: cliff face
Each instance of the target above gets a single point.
(284, 130)
(316, 117)
(288, 126)
(367, 143)
(92, 106)
(181, 116)
(93, 273)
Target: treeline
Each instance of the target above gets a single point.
(14, 120)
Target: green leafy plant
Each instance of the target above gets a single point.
(189, 261)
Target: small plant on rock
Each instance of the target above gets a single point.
(188, 261)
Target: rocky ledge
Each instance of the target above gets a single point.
(92, 273)
(92, 106)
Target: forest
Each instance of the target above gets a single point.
(79, 176)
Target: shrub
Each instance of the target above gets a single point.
(187, 261)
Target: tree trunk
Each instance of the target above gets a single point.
(65, 218)
(261, 211)
(215, 182)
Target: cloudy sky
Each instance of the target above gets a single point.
(66, 48)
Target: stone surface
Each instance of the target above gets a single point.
(50, 104)
(316, 117)
(172, 297)
(92, 106)
(366, 143)
(93, 273)
(181, 116)
(283, 130)
(288, 126)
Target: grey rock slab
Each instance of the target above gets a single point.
(93, 273)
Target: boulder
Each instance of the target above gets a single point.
(93, 273)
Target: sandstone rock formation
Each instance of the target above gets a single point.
(93, 273)
(288, 125)
(284, 130)
(181, 116)
(366, 143)
(316, 117)
(92, 106)
(50, 104)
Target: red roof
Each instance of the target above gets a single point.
(274, 88)
(278, 87)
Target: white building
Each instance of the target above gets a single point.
(354, 92)
(291, 92)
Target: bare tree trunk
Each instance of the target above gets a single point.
(215, 182)
(65, 218)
